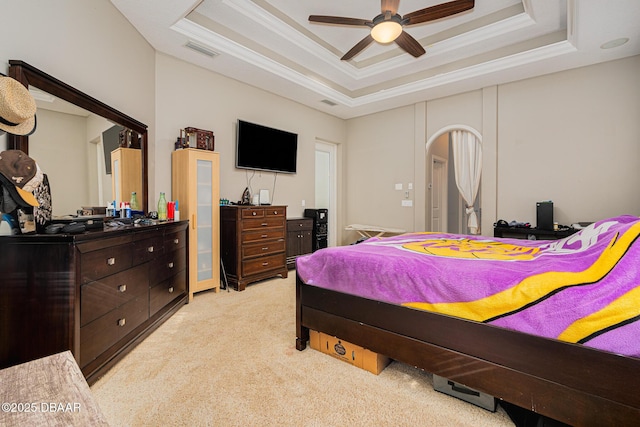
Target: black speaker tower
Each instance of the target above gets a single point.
(544, 215)
(320, 227)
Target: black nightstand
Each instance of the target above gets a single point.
(532, 233)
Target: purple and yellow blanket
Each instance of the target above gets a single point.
(583, 289)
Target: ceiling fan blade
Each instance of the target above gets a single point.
(338, 20)
(359, 47)
(410, 44)
(389, 5)
(439, 11)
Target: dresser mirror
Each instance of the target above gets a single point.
(73, 140)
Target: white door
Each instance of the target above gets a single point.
(438, 194)
(326, 186)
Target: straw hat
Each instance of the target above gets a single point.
(17, 108)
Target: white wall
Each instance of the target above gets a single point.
(571, 137)
(188, 95)
(379, 154)
(574, 138)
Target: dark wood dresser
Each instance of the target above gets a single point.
(299, 239)
(253, 243)
(97, 294)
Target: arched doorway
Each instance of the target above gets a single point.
(449, 191)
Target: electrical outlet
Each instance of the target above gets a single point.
(407, 203)
(304, 203)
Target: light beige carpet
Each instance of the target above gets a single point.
(230, 359)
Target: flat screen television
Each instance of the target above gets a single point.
(263, 148)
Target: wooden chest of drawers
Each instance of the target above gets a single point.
(253, 243)
(96, 294)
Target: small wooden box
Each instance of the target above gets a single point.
(199, 138)
(347, 352)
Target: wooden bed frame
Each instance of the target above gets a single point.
(567, 382)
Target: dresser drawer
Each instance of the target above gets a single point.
(173, 241)
(299, 224)
(266, 248)
(252, 213)
(261, 223)
(268, 234)
(275, 212)
(266, 263)
(102, 333)
(166, 266)
(104, 262)
(102, 296)
(164, 292)
(147, 249)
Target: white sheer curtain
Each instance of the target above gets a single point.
(467, 160)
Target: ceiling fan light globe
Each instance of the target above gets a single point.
(386, 32)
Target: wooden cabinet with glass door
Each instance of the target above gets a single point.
(195, 186)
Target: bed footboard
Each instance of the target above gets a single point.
(567, 382)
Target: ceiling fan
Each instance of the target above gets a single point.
(388, 25)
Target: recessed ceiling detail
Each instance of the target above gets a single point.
(272, 45)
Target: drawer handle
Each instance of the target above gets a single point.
(275, 212)
(253, 213)
(264, 236)
(170, 265)
(176, 241)
(111, 261)
(264, 224)
(122, 322)
(171, 290)
(265, 248)
(264, 264)
(150, 249)
(122, 288)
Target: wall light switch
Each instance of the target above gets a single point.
(399, 186)
(304, 203)
(407, 203)
(410, 186)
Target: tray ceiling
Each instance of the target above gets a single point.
(270, 44)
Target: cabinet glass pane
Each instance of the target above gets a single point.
(204, 189)
(205, 270)
(204, 183)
